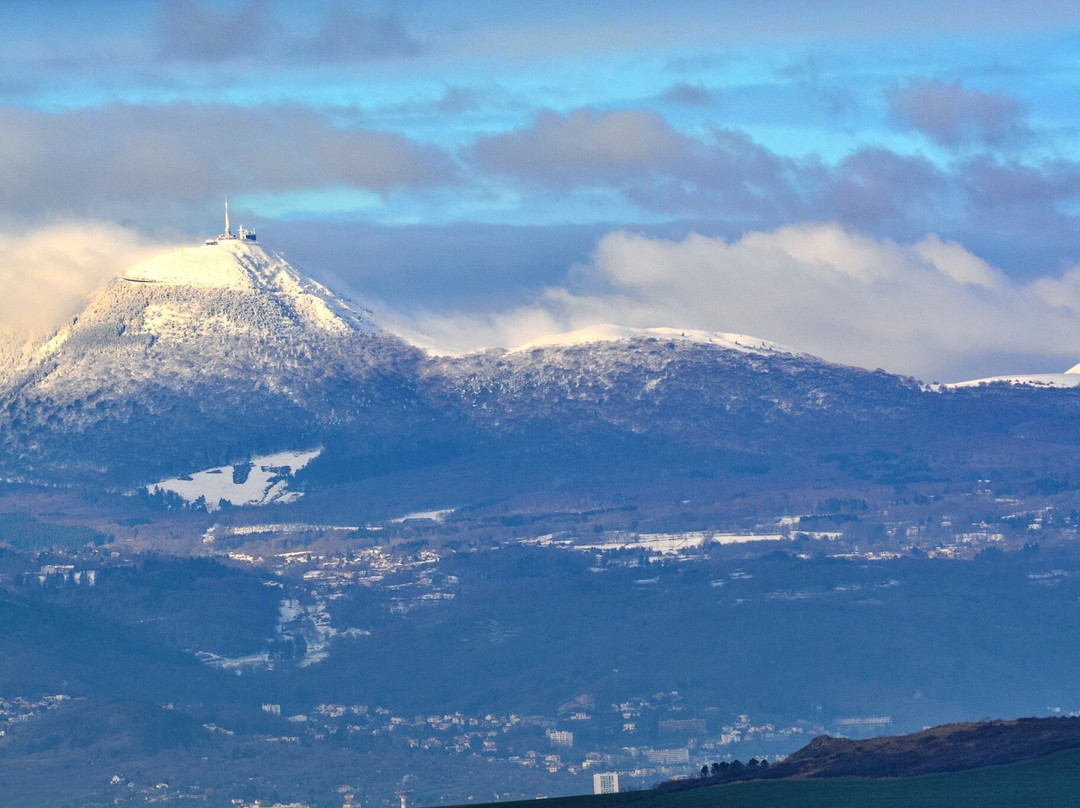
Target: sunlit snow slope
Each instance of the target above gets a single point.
(213, 354)
(245, 266)
(616, 333)
(1070, 378)
(224, 311)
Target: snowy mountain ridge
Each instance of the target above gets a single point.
(1070, 378)
(245, 266)
(608, 332)
(208, 356)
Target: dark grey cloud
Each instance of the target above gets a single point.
(640, 154)
(585, 147)
(456, 100)
(687, 95)
(731, 177)
(194, 31)
(879, 191)
(163, 164)
(431, 266)
(952, 115)
(1019, 215)
(351, 32)
(1013, 189)
(121, 159)
(343, 31)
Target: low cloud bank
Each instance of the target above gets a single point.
(49, 274)
(931, 308)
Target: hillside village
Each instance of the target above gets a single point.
(314, 576)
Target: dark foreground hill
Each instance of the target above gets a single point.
(946, 748)
(995, 764)
(1029, 761)
(952, 747)
(1053, 780)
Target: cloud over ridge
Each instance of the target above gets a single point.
(926, 308)
(49, 274)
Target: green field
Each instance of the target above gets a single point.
(1053, 780)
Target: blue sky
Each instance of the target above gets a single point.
(465, 166)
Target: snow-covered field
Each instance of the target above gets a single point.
(661, 543)
(424, 516)
(266, 481)
(312, 622)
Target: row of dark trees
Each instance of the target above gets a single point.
(723, 770)
(718, 772)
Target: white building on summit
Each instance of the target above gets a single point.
(228, 235)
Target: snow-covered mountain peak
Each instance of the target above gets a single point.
(224, 313)
(617, 333)
(217, 351)
(238, 265)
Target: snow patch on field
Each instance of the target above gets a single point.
(251, 662)
(424, 516)
(659, 543)
(266, 481)
(675, 543)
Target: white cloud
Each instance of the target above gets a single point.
(48, 275)
(1062, 293)
(931, 309)
(953, 260)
